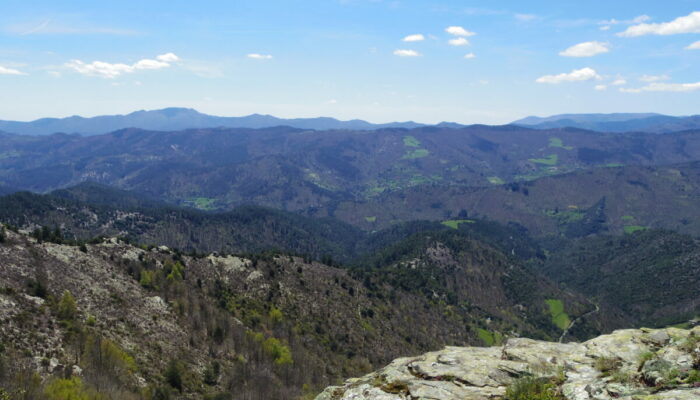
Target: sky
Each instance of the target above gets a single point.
(379, 60)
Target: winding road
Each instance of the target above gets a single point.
(566, 331)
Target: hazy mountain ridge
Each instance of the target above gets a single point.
(619, 122)
(172, 119)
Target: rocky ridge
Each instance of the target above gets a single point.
(631, 364)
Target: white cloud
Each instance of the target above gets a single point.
(654, 78)
(525, 17)
(406, 53)
(256, 56)
(577, 75)
(168, 57)
(694, 46)
(332, 101)
(687, 24)
(601, 88)
(665, 87)
(10, 71)
(108, 70)
(460, 41)
(469, 56)
(586, 49)
(619, 82)
(55, 74)
(414, 38)
(459, 31)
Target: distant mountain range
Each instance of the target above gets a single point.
(640, 122)
(173, 119)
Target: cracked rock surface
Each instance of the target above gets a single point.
(633, 364)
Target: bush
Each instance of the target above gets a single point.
(67, 307)
(530, 388)
(278, 350)
(173, 374)
(69, 389)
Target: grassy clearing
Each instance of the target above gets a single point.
(558, 143)
(634, 228)
(496, 180)
(559, 317)
(454, 223)
(550, 160)
(627, 218)
(614, 165)
(418, 153)
(202, 203)
(567, 216)
(371, 219)
(410, 141)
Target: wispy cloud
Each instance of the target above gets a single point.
(406, 53)
(586, 49)
(687, 24)
(619, 82)
(605, 25)
(525, 17)
(577, 75)
(694, 46)
(10, 71)
(414, 38)
(460, 41)
(50, 27)
(257, 56)
(459, 31)
(600, 88)
(109, 70)
(654, 78)
(664, 87)
(469, 56)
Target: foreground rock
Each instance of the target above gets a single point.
(627, 364)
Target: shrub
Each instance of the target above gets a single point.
(173, 374)
(278, 350)
(69, 389)
(607, 365)
(67, 308)
(531, 388)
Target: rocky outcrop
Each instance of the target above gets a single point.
(627, 364)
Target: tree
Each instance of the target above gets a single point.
(67, 307)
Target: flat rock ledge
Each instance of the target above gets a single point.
(634, 364)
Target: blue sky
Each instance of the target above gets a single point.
(429, 61)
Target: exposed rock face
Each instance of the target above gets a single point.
(627, 364)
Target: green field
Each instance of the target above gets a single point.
(627, 218)
(454, 223)
(418, 153)
(411, 141)
(559, 317)
(634, 228)
(556, 142)
(371, 219)
(496, 180)
(550, 160)
(202, 203)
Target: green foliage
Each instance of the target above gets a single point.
(211, 373)
(174, 374)
(411, 141)
(559, 317)
(371, 219)
(147, 279)
(455, 223)
(531, 388)
(551, 160)
(486, 337)
(629, 229)
(276, 315)
(281, 354)
(67, 307)
(174, 271)
(70, 389)
(496, 180)
(417, 153)
(557, 142)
